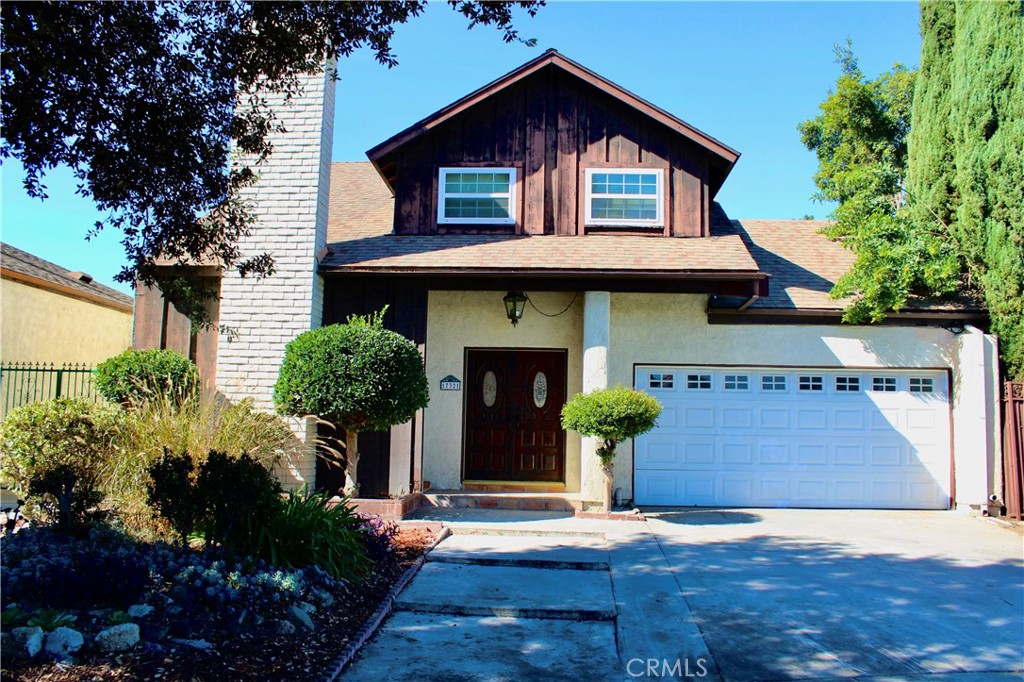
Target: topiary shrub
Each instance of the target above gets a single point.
(135, 376)
(613, 415)
(357, 375)
(57, 453)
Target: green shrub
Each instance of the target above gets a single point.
(135, 376)
(226, 498)
(358, 375)
(57, 453)
(236, 494)
(308, 531)
(201, 424)
(171, 493)
(611, 414)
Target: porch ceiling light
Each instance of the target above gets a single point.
(515, 302)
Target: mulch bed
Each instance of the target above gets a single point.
(299, 656)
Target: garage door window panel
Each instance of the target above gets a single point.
(922, 385)
(662, 381)
(698, 382)
(847, 384)
(883, 384)
(737, 382)
(811, 383)
(773, 382)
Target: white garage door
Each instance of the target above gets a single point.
(790, 437)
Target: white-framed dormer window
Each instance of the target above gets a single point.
(625, 196)
(476, 196)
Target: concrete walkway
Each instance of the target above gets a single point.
(723, 595)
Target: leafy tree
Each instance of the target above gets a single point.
(985, 104)
(860, 138)
(613, 415)
(155, 106)
(356, 375)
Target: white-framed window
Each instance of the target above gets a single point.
(922, 385)
(698, 382)
(773, 382)
(476, 196)
(847, 384)
(811, 383)
(737, 382)
(883, 384)
(662, 380)
(625, 196)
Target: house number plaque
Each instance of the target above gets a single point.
(451, 383)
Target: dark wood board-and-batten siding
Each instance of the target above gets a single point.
(551, 127)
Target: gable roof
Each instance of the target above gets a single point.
(360, 240)
(802, 263)
(553, 58)
(22, 266)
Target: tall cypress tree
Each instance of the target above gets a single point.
(931, 171)
(986, 97)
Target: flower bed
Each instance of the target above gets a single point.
(211, 619)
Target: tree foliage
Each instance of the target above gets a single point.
(358, 376)
(860, 138)
(985, 105)
(161, 109)
(611, 414)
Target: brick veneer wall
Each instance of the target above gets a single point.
(290, 205)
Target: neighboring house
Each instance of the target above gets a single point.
(53, 315)
(555, 183)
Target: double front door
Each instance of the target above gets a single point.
(513, 429)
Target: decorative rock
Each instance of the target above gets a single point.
(26, 642)
(300, 617)
(307, 607)
(285, 627)
(118, 638)
(200, 644)
(140, 610)
(63, 642)
(324, 597)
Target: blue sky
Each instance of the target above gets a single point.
(745, 73)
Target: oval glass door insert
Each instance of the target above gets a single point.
(540, 389)
(490, 389)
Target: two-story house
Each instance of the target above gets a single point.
(552, 233)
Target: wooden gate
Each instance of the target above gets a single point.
(1013, 448)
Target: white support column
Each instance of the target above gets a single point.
(596, 325)
(290, 206)
(976, 446)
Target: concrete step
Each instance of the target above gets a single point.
(509, 592)
(413, 647)
(518, 501)
(586, 553)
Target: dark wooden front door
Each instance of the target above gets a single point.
(514, 401)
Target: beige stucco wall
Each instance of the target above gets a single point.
(666, 328)
(673, 329)
(457, 320)
(43, 326)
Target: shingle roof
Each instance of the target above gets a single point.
(22, 265)
(360, 240)
(804, 264)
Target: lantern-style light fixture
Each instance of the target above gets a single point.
(515, 301)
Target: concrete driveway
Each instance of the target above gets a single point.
(822, 595)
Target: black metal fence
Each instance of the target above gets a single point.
(28, 382)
